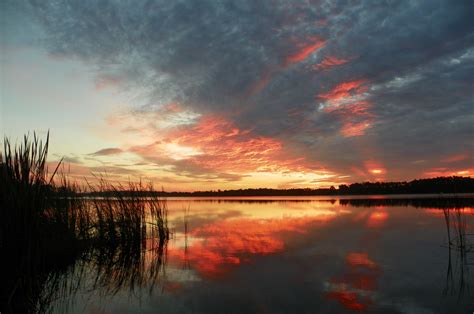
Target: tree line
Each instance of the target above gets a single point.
(439, 185)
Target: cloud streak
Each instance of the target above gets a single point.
(107, 152)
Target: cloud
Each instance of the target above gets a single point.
(107, 152)
(214, 148)
(329, 62)
(71, 158)
(396, 78)
(304, 51)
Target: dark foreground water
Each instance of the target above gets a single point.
(288, 255)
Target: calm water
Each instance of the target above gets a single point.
(290, 255)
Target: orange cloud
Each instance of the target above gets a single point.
(225, 147)
(455, 158)
(348, 101)
(445, 172)
(304, 52)
(344, 90)
(351, 129)
(329, 62)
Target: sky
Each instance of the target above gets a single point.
(201, 95)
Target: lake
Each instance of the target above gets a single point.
(287, 255)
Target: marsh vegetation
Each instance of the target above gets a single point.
(45, 226)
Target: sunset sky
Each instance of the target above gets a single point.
(200, 95)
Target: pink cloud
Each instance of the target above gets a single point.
(304, 51)
(455, 158)
(348, 102)
(443, 172)
(225, 147)
(344, 90)
(329, 62)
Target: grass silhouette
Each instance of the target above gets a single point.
(45, 225)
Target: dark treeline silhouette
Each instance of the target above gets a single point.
(440, 185)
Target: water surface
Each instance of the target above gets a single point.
(291, 255)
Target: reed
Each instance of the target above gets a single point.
(124, 216)
(23, 190)
(34, 203)
(45, 220)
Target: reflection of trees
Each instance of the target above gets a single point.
(460, 248)
(438, 202)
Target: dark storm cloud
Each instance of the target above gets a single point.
(232, 57)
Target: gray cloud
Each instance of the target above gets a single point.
(107, 152)
(416, 57)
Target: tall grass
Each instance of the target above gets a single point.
(32, 201)
(23, 190)
(44, 220)
(124, 216)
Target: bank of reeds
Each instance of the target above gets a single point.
(123, 216)
(23, 190)
(44, 219)
(33, 202)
